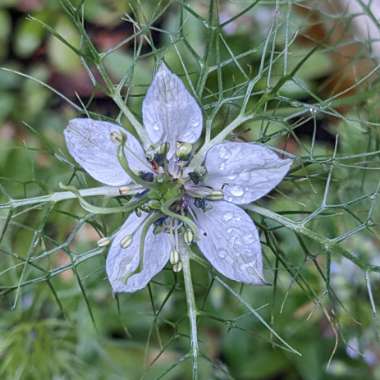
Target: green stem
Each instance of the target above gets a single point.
(106, 191)
(118, 99)
(148, 223)
(55, 272)
(130, 206)
(200, 155)
(251, 310)
(124, 163)
(191, 309)
(326, 243)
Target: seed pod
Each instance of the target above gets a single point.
(174, 257)
(126, 241)
(103, 242)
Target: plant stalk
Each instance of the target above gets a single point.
(191, 309)
(107, 191)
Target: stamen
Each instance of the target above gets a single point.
(146, 176)
(195, 177)
(124, 190)
(199, 191)
(117, 137)
(164, 149)
(200, 203)
(159, 159)
(188, 236)
(126, 241)
(103, 242)
(174, 257)
(177, 267)
(215, 195)
(183, 151)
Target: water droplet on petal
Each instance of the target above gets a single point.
(232, 177)
(245, 176)
(222, 253)
(228, 216)
(224, 153)
(194, 123)
(229, 260)
(247, 252)
(248, 239)
(156, 127)
(233, 231)
(237, 191)
(246, 267)
(222, 166)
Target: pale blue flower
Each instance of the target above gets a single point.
(236, 171)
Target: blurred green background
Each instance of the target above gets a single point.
(58, 317)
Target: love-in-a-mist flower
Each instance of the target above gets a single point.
(177, 203)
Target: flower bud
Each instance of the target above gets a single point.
(177, 267)
(126, 241)
(174, 257)
(183, 150)
(188, 236)
(103, 242)
(117, 137)
(215, 195)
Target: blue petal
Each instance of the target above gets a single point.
(244, 171)
(89, 142)
(229, 240)
(123, 263)
(170, 113)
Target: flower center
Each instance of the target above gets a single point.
(166, 188)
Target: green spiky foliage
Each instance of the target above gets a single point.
(258, 78)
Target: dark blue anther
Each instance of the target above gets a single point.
(195, 177)
(146, 176)
(200, 203)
